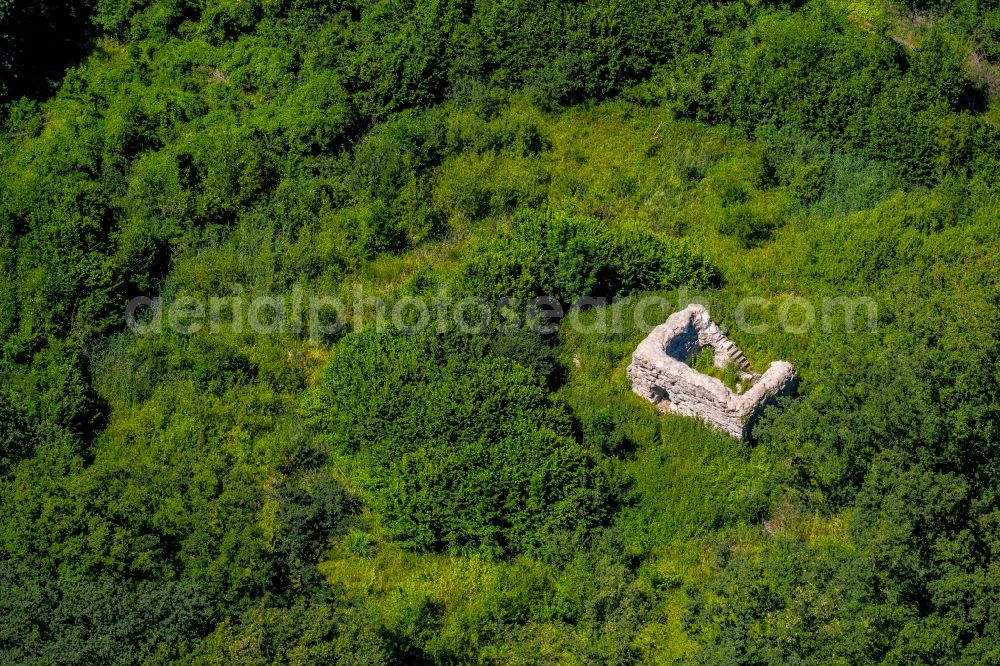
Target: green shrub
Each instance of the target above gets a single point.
(467, 453)
(308, 517)
(378, 232)
(215, 365)
(315, 631)
(749, 227)
(568, 258)
(96, 620)
(601, 433)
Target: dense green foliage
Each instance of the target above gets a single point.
(378, 495)
(544, 254)
(466, 451)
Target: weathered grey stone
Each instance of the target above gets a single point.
(660, 373)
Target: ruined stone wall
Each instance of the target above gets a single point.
(660, 373)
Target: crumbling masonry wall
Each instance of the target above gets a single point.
(660, 372)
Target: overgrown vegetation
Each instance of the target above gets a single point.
(704, 362)
(500, 496)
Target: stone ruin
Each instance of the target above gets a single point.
(661, 372)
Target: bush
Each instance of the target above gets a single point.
(215, 365)
(95, 621)
(52, 403)
(467, 453)
(569, 258)
(308, 517)
(601, 433)
(306, 632)
(746, 225)
(378, 232)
